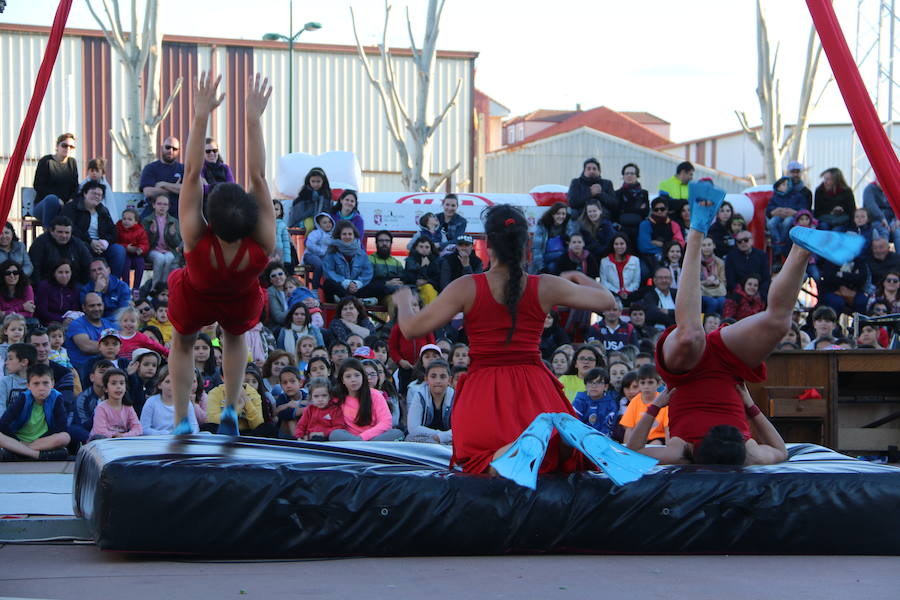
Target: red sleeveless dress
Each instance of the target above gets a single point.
(507, 385)
(200, 294)
(705, 396)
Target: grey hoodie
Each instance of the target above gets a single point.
(317, 241)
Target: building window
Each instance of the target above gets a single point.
(521, 134)
(511, 134)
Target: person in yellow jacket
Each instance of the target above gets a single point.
(249, 408)
(676, 188)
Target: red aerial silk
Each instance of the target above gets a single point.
(865, 119)
(34, 107)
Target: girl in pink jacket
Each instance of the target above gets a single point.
(115, 417)
(366, 413)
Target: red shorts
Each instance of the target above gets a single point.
(706, 395)
(190, 311)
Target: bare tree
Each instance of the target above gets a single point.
(770, 138)
(137, 49)
(411, 131)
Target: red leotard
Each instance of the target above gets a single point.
(200, 294)
(706, 395)
(507, 385)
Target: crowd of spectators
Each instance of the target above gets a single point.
(85, 331)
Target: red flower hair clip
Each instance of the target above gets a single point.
(509, 221)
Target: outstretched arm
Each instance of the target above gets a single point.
(670, 454)
(768, 448)
(190, 215)
(455, 298)
(576, 290)
(257, 99)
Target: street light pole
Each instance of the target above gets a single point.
(290, 39)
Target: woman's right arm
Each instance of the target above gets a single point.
(455, 298)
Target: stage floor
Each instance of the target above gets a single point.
(83, 571)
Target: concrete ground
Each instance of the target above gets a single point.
(82, 571)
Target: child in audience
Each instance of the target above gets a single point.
(862, 226)
(161, 320)
(459, 355)
(110, 345)
(648, 382)
(131, 338)
(114, 416)
(158, 416)
(323, 415)
(366, 413)
(385, 385)
(427, 355)
(282, 237)
(291, 402)
(617, 372)
(19, 357)
(142, 377)
(430, 406)
(318, 367)
(58, 353)
(429, 227)
(13, 332)
(598, 405)
(33, 426)
(305, 345)
(82, 421)
(133, 237)
(249, 408)
(316, 245)
(455, 374)
(338, 353)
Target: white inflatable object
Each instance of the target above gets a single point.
(742, 205)
(342, 169)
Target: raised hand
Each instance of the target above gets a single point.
(258, 92)
(206, 90)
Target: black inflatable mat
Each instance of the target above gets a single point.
(252, 497)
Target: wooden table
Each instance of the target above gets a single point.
(859, 388)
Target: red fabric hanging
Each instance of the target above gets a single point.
(865, 119)
(34, 107)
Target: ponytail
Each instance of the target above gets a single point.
(507, 234)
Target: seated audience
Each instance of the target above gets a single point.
(659, 301)
(83, 334)
(842, 287)
(882, 260)
(81, 421)
(366, 413)
(351, 318)
(346, 265)
(115, 293)
(346, 208)
(596, 230)
(92, 223)
(313, 198)
(133, 238)
(422, 269)
(657, 229)
(56, 245)
(429, 408)
(12, 249)
(590, 186)
(721, 232)
(158, 416)
(548, 244)
(16, 294)
(34, 424)
(833, 203)
(620, 271)
(598, 405)
(577, 258)
(632, 202)
(648, 381)
(163, 237)
(452, 223)
(463, 261)
(746, 260)
(611, 331)
(322, 416)
(744, 300)
(115, 417)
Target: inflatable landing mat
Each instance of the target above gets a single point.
(212, 495)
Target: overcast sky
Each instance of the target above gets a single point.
(691, 62)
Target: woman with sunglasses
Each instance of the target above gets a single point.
(214, 169)
(887, 292)
(276, 277)
(16, 295)
(55, 179)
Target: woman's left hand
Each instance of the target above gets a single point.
(29, 306)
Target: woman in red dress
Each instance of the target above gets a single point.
(224, 254)
(507, 385)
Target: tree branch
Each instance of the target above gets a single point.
(751, 133)
(412, 39)
(168, 105)
(115, 21)
(119, 142)
(437, 120)
(114, 42)
(147, 35)
(393, 126)
(443, 177)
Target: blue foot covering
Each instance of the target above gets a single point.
(523, 459)
(835, 247)
(705, 200)
(183, 427)
(618, 462)
(228, 423)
